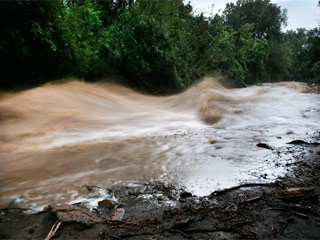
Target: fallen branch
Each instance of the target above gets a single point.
(223, 191)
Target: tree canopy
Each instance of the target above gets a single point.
(266, 17)
(157, 45)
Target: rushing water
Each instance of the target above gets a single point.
(57, 138)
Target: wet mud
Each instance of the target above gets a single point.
(288, 208)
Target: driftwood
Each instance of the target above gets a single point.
(53, 230)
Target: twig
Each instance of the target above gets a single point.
(231, 205)
(128, 223)
(301, 215)
(116, 237)
(228, 218)
(252, 199)
(242, 195)
(53, 230)
(277, 208)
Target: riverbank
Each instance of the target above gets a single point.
(288, 208)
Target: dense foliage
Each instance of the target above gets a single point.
(303, 51)
(157, 45)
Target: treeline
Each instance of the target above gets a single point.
(157, 45)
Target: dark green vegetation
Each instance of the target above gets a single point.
(157, 45)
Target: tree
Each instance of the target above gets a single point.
(30, 39)
(295, 42)
(157, 45)
(266, 17)
(304, 47)
(312, 56)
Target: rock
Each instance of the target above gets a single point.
(301, 142)
(107, 203)
(212, 141)
(67, 213)
(264, 145)
(297, 142)
(185, 195)
(117, 215)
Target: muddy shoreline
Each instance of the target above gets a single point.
(288, 208)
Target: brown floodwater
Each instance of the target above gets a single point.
(60, 137)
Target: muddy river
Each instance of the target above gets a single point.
(59, 138)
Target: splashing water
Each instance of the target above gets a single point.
(59, 137)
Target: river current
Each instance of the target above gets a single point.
(60, 137)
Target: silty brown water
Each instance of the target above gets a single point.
(59, 137)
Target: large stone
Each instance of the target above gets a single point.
(106, 203)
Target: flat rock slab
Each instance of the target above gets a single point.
(68, 213)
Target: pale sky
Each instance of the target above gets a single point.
(301, 13)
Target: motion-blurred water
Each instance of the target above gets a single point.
(57, 138)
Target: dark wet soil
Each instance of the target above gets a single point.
(286, 209)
